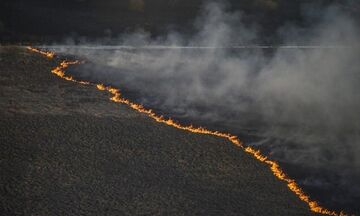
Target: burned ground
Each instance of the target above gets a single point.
(66, 149)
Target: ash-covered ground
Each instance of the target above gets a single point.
(67, 150)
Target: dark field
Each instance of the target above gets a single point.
(67, 150)
(333, 185)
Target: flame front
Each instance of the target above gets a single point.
(273, 165)
(60, 71)
(45, 53)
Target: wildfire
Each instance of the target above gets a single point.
(60, 71)
(273, 165)
(45, 53)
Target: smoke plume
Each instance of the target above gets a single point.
(301, 100)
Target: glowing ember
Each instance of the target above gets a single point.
(274, 166)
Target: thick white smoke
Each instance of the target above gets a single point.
(304, 96)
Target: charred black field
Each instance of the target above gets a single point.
(66, 149)
(332, 184)
(191, 107)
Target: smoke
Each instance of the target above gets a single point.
(302, 103)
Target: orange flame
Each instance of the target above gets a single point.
(59, 71)
(273, 165)
(48, 54)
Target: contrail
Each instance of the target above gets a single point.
(161, 47)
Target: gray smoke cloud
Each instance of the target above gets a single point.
(304, 96)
